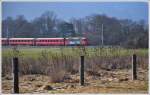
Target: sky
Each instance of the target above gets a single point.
(135, 11)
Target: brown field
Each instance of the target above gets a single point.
(106, 82)
(106, 71)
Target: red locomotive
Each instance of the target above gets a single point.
(45, 41)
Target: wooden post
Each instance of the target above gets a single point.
(15, 75)
(134, 69)
(82, 71)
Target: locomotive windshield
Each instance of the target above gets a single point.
(74, 41)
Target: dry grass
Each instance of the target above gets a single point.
(108, 82)
(60, 64)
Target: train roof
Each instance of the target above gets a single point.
(21, 38)
(43, 38)
(49, 38)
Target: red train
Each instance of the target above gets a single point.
(45, 41)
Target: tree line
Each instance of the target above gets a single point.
(124, 32)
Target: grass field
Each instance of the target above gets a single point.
(108, 52)
(103, 66)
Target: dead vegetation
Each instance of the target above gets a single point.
(118, 81)
(62, 68)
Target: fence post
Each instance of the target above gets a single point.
(82, 71)
(134, 69)
(15, 75)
